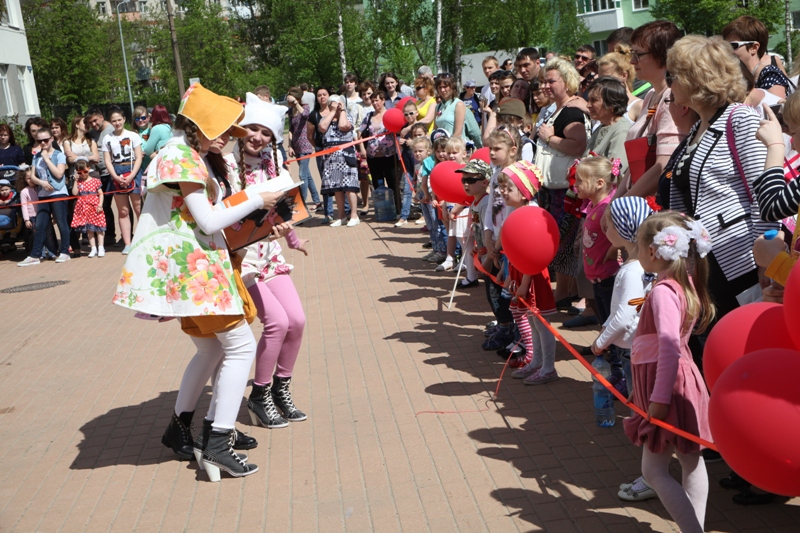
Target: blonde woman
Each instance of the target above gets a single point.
(617, 64)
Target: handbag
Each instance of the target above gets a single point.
(641, 151)
(553, 164)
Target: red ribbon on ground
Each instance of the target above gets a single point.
(598, 376)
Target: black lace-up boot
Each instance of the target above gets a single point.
(178, 435)
(219, 455)
(262, 408)
(282, 396)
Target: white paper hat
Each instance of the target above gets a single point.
(257, 111)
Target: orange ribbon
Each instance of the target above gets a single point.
(600, 378)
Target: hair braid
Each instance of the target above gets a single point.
(275, 158)
(242, 180)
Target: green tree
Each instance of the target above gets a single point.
(65, 39)
(708, 17)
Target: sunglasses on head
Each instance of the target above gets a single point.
(469, 181)
(736, 44)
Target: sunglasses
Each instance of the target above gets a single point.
(636, 56)
(583, 58)
(736, 44)
(470, 181)
(84, 171)
(669, 99)
(420, 88)
(140, 119)
(670, 79)
(43, 141)
(411, 114)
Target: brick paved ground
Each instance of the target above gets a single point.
(86, 391)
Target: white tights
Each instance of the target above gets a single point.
(228, 357)
(686, 504)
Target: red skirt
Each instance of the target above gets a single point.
(540, 291)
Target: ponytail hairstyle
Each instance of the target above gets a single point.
(192, 132)
(599, 168)
(695, 288)
(510, 137)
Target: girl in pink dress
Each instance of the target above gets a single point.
(666, 382)
(88, 215)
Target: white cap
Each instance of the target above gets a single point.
(257, 111)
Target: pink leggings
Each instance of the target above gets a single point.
(282, 316)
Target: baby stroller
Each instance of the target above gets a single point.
(12, 227)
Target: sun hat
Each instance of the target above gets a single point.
(271, 116)
(213, 114)
(511, 106)
(526, 176)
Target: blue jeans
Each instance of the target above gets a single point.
(307, 182)
(408, 193)
(436, 227)
(59, 211)
(603, 290)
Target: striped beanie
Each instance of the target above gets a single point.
(627, 214)
(526, 176)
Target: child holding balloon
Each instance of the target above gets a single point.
(666, 382)
(519, 183)
(436, 227)
(456, 224)
(503, 152)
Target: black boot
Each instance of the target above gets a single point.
(219, 455)
(178, 436)
(242, 442)
(262, 409)
(282, 397)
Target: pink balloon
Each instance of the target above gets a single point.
(791, 305)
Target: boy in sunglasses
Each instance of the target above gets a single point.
(475, 179)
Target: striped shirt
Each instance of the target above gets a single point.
(721, 199)
(778, 199)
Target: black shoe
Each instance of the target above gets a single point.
(565, 303)
(282, 397)
(734, 482)
(428, 244)
(711, 456)
(219, 455)
(748, 497)
(469, 284)
(178, 436)
(241, 442)
(517, 351)
(262, 408)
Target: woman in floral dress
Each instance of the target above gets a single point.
(179, 266)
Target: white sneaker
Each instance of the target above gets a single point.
(93, 253)
(353, 222)
(126, 250)
(29, 261)
(420, 221)
(336, 223)
(101, 252)
(447, 265)
(400, 223)
(63, 258)
(637, 491)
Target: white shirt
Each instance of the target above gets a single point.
(621, 325)
(121, 146)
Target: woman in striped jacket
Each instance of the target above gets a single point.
(713, 177)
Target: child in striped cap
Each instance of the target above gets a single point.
(519, 183)
(620, 224)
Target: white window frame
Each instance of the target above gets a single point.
(102, 8)
(586, 7)
(641, 7)
(24, 87)
(6, 89)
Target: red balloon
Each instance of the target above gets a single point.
(403, 101)
(746, 329)
(393, 120)
(754, 414)
(446, 183)
(530, 239)
(791, 305)
(482, 154)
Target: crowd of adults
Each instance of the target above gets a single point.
(664, 107)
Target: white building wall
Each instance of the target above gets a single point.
(17, 86)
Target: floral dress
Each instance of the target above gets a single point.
(173, 268)
(86, 217)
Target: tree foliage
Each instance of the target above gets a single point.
(708, 17)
